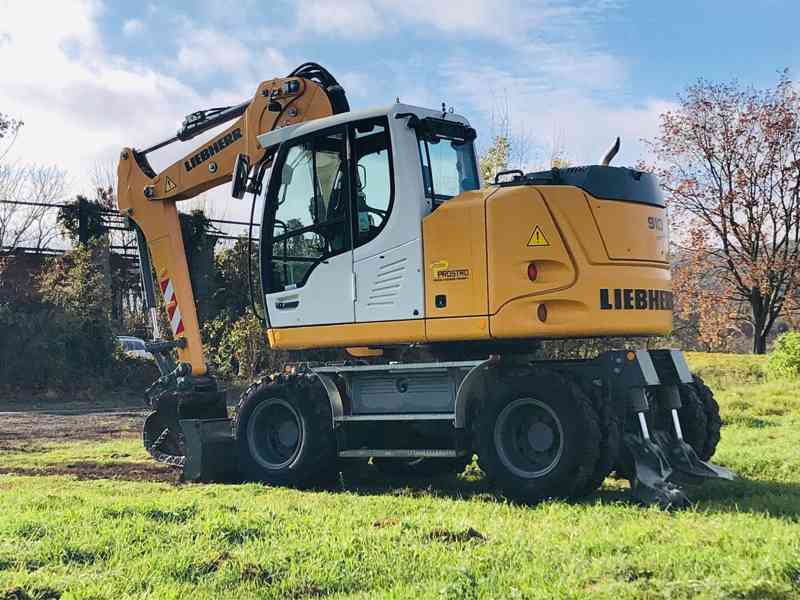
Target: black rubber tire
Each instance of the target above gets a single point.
(422, 467)
(700, 419)
(314, 461)
(163, 440)
(580, 445)
(611, 436)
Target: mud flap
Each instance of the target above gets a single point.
(210, 450)
(652, 471)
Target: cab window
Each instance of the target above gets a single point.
(309, 206)
(448, 166)
(373, 185)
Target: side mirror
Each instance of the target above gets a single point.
(240, 173)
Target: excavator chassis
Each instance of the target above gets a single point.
(404, 414)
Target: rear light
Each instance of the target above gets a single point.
(533, 271)
(541, 312)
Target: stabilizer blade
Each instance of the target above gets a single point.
(652, 472)
(688, 468)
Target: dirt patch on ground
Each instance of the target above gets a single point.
(28, 423)
(446, 535)
(90, 470)
(27, 430)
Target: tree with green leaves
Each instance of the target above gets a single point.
(495, 159)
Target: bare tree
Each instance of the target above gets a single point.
(9, 128)
(517, 137)
(25, 218)
(731, 159)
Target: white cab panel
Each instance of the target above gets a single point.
(389, 285)
(326, 298)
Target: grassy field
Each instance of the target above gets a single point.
(68, 532)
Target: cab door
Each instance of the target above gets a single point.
(307, 250)
(387, 221)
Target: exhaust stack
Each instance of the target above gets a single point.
(612, 152)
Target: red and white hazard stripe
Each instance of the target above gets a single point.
(173, 310)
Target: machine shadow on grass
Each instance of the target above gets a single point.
(770, 498)
(776, 499)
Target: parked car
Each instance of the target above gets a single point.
(134, 347)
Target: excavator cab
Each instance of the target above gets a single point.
(342, 224)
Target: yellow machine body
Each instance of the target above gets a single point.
(601, 269)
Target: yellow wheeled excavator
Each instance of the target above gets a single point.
(376, 234)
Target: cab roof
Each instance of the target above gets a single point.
(278, 136)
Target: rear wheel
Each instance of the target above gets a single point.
(610, 436)
(284, 432)
(538, 437)
(700, 419)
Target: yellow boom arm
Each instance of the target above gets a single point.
(149, 198)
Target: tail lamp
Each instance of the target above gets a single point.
(533, 271)
(541, 312)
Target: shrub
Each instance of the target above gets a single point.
(784, 360)
(62, 337)
(238, 349)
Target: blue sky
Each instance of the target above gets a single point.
(90, 77)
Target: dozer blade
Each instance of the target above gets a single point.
(210, 450)
(651, 483)
(688, 468)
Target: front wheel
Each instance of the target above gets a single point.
(538, 437)
(284, 432)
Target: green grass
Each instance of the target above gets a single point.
(453, 539)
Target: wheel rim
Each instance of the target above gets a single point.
(275, 434)
(529, 438)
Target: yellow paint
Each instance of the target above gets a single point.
(509, 214)
(615, 220)
(458, 328)
(361, 352)
(383, 333)
(454, 241)
(574, 267)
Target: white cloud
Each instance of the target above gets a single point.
(132, 27)
(369, 18)
(559, 111)
(206, 50)
(501, 20)
(81, 104)
(356, 18)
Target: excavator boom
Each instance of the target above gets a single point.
(149, 198)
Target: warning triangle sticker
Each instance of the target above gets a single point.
(537, 238)
(169, 185)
